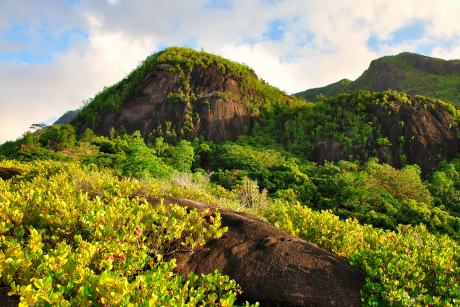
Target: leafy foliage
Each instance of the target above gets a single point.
(142, 161)
(406, 267)
(65, 246)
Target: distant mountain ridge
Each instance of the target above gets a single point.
(406, 72)
(67, 117)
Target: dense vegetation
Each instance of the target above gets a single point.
(76, 233)
(364, 205)
(435, 81)
(345, 119)
(76, 236)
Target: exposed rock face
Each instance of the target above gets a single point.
(429, 137)
(6, 300)
(390, 75)
(272, 267)
(8, 173)
(216, 119)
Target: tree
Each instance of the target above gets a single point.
(182, 156)
(142, 161)
(66, 136)
(87, 136)
(39, 128)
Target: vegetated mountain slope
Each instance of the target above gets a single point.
(396, 128)
(181, 93)
(406, 72)
(66, 118)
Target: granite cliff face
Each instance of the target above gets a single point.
(216, 114)
(422, 133)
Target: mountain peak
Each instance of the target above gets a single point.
(412, 73)
(183, 92)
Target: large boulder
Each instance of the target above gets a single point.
(8, 173)
(272, 267)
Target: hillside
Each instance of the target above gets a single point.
(179, 93)
(363, 188)
(395, 128)
(184, 94)
(406, 72)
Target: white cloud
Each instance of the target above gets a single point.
(35, 93)
(113, 2)
(324, 41)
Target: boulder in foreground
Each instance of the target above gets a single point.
(7, 173)
(272, 267)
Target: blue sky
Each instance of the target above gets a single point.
(54, 54)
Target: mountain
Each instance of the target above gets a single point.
(373, 178)
(181, 92)
(407, 72)
(66, 118)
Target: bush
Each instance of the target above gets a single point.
(73, 236)
(142, 161)
(39, 153)
(406, 267)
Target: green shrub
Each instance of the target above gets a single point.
(39, 153)
(384, 142)
(142, 161)
(72, 236)
(406, 267)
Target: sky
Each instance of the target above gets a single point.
(55, 54)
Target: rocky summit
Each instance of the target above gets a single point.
(198, 101)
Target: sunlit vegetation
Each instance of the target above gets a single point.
(434, 82)
(297, 127)
(415, 265)
(75, 236)
(77, 229)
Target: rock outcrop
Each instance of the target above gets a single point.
(6, 300)
(215, 115)
(429, 135)
(272, 267)
(7, 173)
